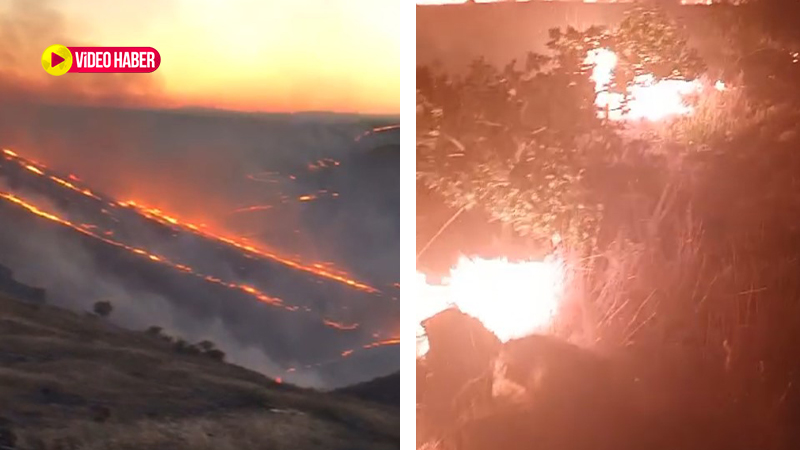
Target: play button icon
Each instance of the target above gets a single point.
(57, 60)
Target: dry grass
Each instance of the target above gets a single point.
(279, 430)
(58, 369)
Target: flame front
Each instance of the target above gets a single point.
(244, 245)
(511, 299)
(164, 218)
(321, 269)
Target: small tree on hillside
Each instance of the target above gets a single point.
(103, 308)
(206, 345)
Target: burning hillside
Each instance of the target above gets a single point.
(150, 253)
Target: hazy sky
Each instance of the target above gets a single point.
(340, 55)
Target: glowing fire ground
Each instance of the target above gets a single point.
(511, 299)
(648, 99)
(323, 270)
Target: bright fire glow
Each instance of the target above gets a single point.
(648, 99)
(511, 299)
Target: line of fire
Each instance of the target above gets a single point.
(114, 223)
(607, 240)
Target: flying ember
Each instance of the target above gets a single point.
(511, 299)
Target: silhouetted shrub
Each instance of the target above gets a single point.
(217, 354)
(103, 308)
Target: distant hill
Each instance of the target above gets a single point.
(13, 288)
(384, 390)
(70, 380)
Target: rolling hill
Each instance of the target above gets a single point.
(75, 381)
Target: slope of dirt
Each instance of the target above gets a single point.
(384, 390)
(73, 381)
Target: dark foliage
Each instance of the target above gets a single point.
(103, 308)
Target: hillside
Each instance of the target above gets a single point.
(73, 381)
(384, 390)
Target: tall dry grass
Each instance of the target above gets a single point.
(697, 290)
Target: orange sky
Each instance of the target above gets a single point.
(258, 55)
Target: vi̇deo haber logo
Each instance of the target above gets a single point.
(58, 60)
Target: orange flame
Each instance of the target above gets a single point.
(331, 274)
(138, 251)
(71, 186)
(34, 169)
(391, 341)
(321, 269)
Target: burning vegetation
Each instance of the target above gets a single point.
(612, 228)
(108, 231)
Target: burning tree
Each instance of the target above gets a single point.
(527, 144)
(681, 233)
